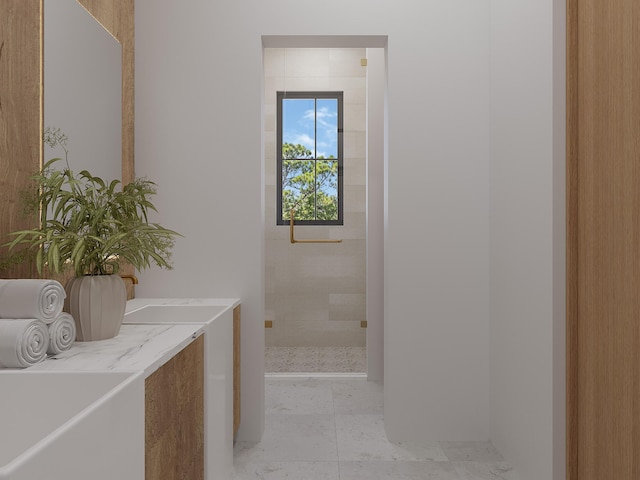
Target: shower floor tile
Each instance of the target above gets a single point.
(315, 360)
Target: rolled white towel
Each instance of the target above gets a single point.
(31, 298)
(23, 342)
(62, 334)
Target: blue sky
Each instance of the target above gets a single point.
(298, 124)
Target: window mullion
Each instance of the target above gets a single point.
(315, 159)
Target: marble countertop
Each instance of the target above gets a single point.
(136, 348)
(144, 347)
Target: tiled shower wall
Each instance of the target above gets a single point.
(315, 293)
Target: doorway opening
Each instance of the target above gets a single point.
(316, 307)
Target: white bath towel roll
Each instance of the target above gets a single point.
(23, 342)
(62, 334)
(31, 298)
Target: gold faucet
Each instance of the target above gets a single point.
(133, 278)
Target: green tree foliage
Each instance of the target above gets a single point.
(309, 186)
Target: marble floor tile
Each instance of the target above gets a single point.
(471, 452)
(362, 437)
(358, 396)
(331, 428)
(292, 438)
(287, 471)
(298, 396)
(398, 470)
(484, 471)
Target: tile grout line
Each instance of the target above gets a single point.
(315, 375)
(335, 426)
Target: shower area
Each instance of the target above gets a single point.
(315, 293)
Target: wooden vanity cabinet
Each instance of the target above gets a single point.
(174, 417)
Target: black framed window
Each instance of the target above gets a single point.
(309, 156)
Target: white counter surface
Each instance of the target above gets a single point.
(142, 302)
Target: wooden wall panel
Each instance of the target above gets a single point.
(20, 113)
(604, 271)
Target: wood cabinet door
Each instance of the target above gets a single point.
(603, 291)
(174, 417)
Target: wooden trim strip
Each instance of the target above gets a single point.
(20, 117)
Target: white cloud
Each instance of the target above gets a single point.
(324, 113)
(326, 126)
(300, 139)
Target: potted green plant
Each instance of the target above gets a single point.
(92, 225)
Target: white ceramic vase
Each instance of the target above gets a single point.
(97, 304)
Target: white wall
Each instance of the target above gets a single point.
(437, 235)
(199, 135)
(527, 235)
(376, 101)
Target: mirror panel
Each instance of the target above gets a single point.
(83, 88)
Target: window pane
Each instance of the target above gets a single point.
(327, 189)
(298, 189)
(327, 127)
(298, 122)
